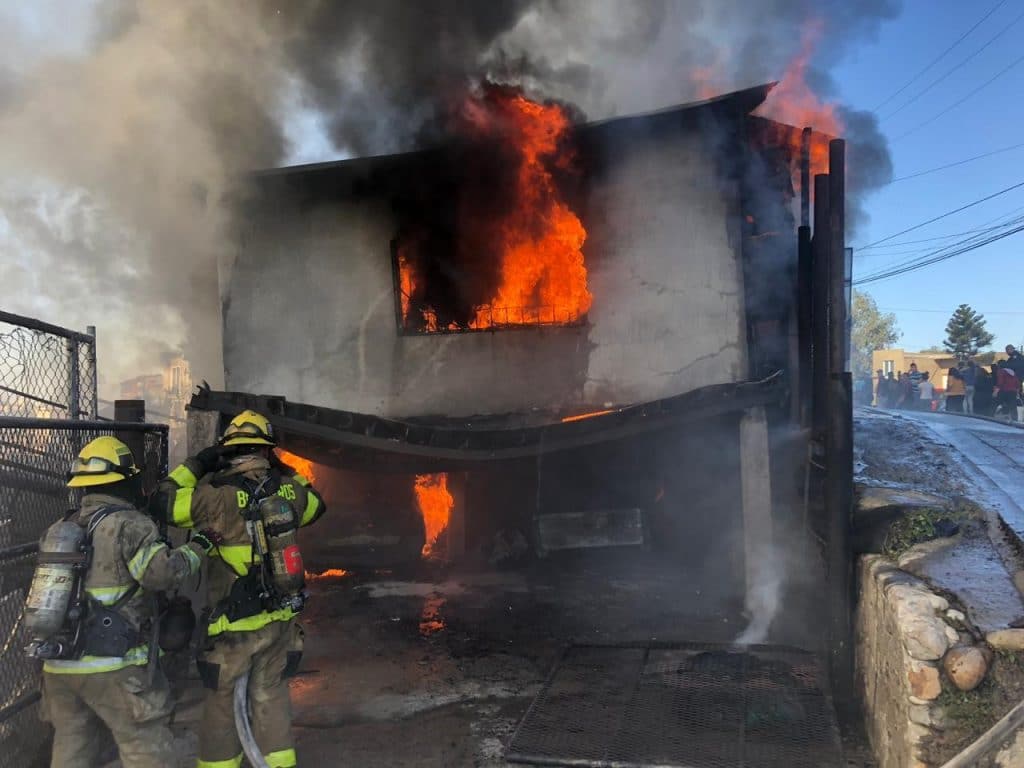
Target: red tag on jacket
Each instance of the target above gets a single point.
(292, 560)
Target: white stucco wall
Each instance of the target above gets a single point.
(309, 304)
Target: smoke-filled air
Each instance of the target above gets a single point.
(126, 146)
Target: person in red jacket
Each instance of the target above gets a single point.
(1007, 386)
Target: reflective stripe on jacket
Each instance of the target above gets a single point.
(127, 550)
(217, 501)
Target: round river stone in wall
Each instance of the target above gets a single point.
(966, 667)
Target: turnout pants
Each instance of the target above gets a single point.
(270, 655)
(137, 714)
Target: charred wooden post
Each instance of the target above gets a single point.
(838, 352)
(819, 303)
(805, 177)
(203, 428)
(804, 298)
(839, 444)
(132, 411)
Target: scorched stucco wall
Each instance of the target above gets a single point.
(309, 303)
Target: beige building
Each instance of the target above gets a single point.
(935, 364)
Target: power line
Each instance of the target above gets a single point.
(958, 162)
(944, 215)
(948, 312)
(956, 104)
(921, 263)
(984, 228)
(943, 250)
(955, 67)
(941, 56)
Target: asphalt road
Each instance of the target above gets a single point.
(993, 456)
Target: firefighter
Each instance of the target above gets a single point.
(103, 672)
(250, 617)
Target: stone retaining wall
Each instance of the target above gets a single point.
(908, 647)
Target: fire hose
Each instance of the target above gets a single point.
(243, 726)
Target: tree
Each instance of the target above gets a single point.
(966, 334)
(872, 330)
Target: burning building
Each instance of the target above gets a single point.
(537, 332)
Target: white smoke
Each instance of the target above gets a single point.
(123, 145)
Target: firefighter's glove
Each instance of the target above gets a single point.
(209, 458)
(207, 540)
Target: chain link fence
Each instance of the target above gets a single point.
(35, 455)
(46, 371)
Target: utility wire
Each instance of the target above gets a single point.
(982, 229)
(941, 56)
(955, 67)
(942, 216)
(958, 162)
(947, 312)
(921, 263)
(942, 250)
(956, 104)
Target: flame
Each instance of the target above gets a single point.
(793, 102)
(303, 466)
(431, 621)
(435, 503)
(538, 239)
(582, 416)
(330, 573)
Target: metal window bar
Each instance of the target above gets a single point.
(45, 370)
(35, 455)
(496, 319)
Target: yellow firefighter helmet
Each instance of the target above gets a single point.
(103, 461)
(249, 428)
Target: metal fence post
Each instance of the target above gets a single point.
(74, 392)
(91, 357)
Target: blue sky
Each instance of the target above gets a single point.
(989, 279)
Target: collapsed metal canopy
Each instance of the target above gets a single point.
(363, 438)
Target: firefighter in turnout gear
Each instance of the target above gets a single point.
(255, 587)
(95, 630)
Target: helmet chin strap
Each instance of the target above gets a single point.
(247, 461)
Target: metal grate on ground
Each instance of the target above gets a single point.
(681, 706)
(35, 455)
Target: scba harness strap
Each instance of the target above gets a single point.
(105, 631)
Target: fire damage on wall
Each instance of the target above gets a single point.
(462, 553)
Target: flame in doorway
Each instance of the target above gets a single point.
(435, 503)
(303, 466)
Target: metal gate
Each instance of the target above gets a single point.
(45, 370)
(35, 455)
(686, 705)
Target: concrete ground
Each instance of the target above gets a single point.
(438, 669)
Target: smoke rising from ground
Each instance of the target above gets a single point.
(122, 153)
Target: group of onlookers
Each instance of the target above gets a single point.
(970, 388)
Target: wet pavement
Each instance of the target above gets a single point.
(437, 669)
(923, 458)
(992, 456)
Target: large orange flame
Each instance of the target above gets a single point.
(303, 466)
(435, 503)
(538, 239)
(793, 102)
(543, 278)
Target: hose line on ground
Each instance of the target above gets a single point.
(244, 727)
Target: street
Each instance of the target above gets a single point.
(993, 456)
